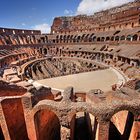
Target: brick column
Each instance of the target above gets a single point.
(103, 131)
(65, 133)
(135, 131)
(29, 118)
(3, 125)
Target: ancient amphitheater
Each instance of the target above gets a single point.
(80, 82)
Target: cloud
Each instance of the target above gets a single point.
(68, 12)
(45, 28)
(23, 24)
(91, 6)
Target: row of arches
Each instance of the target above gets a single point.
(101, 55)
(83, 125)
(91, 38)
(17, 39)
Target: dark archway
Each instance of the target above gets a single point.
(117, 38)
(121, 125)
(47, 125)
(129, 37)
(123, 37)
(112, 38)
(98, 39)
(107, 38)
(102, 39)
(135, 37)
(94, 38)
(83, 126)
(45, 51)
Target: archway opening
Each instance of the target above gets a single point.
(112, 38)
(135, 37)
(47, 125)
(121, 125)
(117, 38)
(45, 51)
(123, 37)
(83, 126)
(107, 38)
(98, 39)
(129, 37)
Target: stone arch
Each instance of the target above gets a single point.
(112, 38)
(65, 37)
(42, 39)
(86, 109)
(98, 39)
(102, 38)
(129, 37)
(123, 37)
(68, 36)
(117, 38)
(94, 38)
(61, 37)
(107, 38)
(135, 37)
(132, 24)
(47, 124)
(71, 36)
(90, 37)
(57, 37)
(85, 38)
(75, 38)
(78, 38)
(48, 107)
(45, 51)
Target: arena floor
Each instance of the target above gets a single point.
(102, 79)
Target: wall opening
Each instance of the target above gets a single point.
(47, 125)
(45, 51)
(121, 125)
(83, 126)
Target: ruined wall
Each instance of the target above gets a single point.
(14, 116)
(112, 19)
(18, 36)
(110, 37)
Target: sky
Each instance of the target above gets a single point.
(39, 14)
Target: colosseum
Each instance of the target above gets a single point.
(79, 82)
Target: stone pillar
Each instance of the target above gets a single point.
(103, 131)
(65, 133)
(94, 129)
(3, 125)
(135, 132)
(29, 118)
(72, 127)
